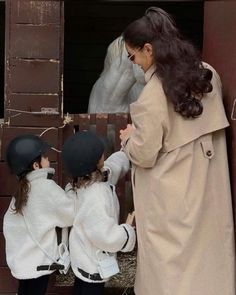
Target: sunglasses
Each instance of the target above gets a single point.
(131, 57)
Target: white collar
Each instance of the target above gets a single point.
(150, 72)
(40, 173)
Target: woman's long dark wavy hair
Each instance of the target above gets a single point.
(21, 195)
(178, 63)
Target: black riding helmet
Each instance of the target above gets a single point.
(22, 150)
(81, 153)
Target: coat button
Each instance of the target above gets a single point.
(209, 153)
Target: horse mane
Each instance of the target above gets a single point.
(114, 50)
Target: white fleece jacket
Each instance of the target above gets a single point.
(47, 207)
(96, 225)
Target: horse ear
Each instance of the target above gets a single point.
(114, 50)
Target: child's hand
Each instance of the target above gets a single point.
(131, 218)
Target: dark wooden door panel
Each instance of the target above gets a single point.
(8, 181)
(30, 41)
(19, 118)
(7, 282)
(4, 203)
(33, 83)
(2, 251)
(219, 49)
(36, 12)
(34, 58)
(34, 76)
(25, 109)
(34, 102)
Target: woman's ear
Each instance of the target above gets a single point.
(35, 166)
(148, 48)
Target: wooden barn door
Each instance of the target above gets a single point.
(33, 92)
(219, 49)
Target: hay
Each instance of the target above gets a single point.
(65, 280)
(124, 280)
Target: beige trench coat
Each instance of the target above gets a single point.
(182, 196)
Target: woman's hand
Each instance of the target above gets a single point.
(124, 133)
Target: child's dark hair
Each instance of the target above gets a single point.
(87, 180)
(21, 195)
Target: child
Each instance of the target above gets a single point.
(38, 207)
(96, 235)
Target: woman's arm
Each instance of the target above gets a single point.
(143, 143)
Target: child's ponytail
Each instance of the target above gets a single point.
(21, 195)
(87, 180)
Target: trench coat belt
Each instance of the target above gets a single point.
(93, 277)
(53, 266)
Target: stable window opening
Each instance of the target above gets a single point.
(90, 26)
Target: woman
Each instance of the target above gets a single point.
(179, 166)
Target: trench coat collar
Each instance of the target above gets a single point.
(179, 130)
(149, 73)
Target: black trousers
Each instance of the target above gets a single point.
(85, 288)
(33, 286)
